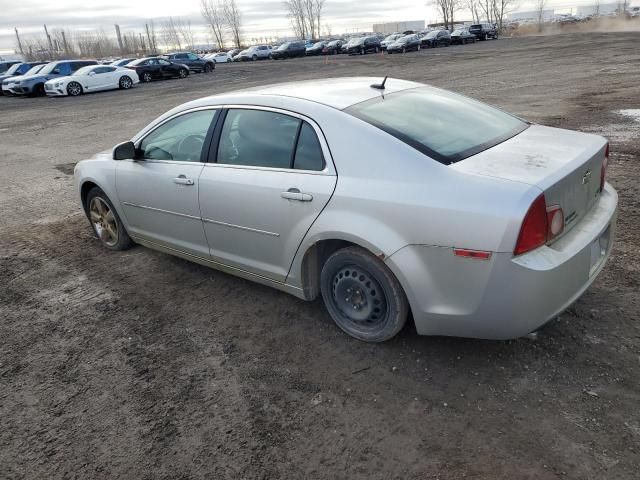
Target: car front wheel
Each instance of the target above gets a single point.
(182, 73)
(74, 89)
(105, 221)
(362, 295)
(207, 68)
(146, 77)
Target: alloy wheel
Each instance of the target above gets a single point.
(146, 77)
(74, 89)
(125, 82)
(103, 221)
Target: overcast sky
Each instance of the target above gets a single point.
(260, 17)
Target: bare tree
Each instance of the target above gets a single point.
(183, 28)
(596, 8)
(151, 36)
(447, 9)
(474, 8)
(486, 8)
(233, 19)
(500, 10)
(213, 13)
(540, 13)
(318, 5)
(296, 12)
(169, 34)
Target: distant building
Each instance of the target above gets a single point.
(547, 15)
(393, 27)
(603, 9)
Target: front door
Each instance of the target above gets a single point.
(159, 189)
(269, 178)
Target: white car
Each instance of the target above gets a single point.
(220, 57)
(383, 198)
(93, 78)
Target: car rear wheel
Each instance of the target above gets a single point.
(74, 89)
(208, 68)
(254, 58)
(182, 73)
(105, 221)
(125, 83)
(146, 77)
(362, 295)
(229, 60)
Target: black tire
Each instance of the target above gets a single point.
(123, 241)
(125, 83)
(254, 58)
(38, 90)
(208, 68)
(147, 77)
(354, 277)
(74, 89)
(362, 52)
(182, 73)
(229, 60)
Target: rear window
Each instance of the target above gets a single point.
(443, 125)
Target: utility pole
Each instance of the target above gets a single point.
(119, 38)
(19, 42)
(50, 43)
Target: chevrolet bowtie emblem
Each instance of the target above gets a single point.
(586, 178)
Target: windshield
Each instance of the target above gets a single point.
(83, 71)
(319, 44)
(49, 67)
(457, 32)
(333, 43)
(34, 70)
(443, 125)
(475, 27)
(432, 34)
(12, 69)
(390, 38)
(283, 46)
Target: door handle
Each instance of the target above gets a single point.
(295, 194)
(182, 180)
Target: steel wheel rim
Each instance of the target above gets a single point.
(103, 221)
(74, 89)
(359, 298)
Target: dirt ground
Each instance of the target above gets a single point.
(140, 365)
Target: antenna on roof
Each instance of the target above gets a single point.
(380, 86)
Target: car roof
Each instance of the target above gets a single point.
(338, 93)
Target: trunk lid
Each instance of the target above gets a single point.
(564, 164)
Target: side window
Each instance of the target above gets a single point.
(193, 56)
(163, 62)
(180, 139)
(258, 138)
(308, 151)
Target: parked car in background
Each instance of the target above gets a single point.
(404, 44)
(289, 50)
(220, 57)
(8, 83)
(155, 68)
(316, 49)
(121, 62)
(4, 66)
(462, 36)
(94, 78)
(484, 31)
(436, 38)
(233, 52)
(256, 52)
(333, 47)
(389, 40)
(363, 45)
(17, 70)
(459, 229)
(191, 60)
(34, 84)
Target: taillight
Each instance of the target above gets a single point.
(541, 224)
(533, 232)
(603, 169)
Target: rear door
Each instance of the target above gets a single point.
(166, 68)
(269, 177)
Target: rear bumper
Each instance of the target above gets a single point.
(506, 296)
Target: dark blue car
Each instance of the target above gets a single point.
(34, 84)
(17, 70)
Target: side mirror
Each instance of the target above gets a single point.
(124, 151)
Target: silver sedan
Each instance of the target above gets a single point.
(384, 198)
